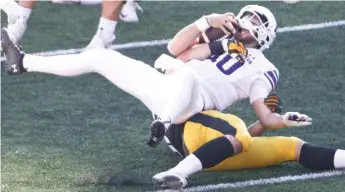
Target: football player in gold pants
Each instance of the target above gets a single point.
(190, 137)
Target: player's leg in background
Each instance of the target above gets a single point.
(17, 29)
(320, 158)
(107, 24)
(129, 11)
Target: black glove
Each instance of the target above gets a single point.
(273, 102)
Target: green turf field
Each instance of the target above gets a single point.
(84, 134)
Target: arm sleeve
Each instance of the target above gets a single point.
(264, 84)
(259, 89)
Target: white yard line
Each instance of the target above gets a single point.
(140, 44)
(273, 180)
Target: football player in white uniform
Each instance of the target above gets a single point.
(214, 83)
(226, 71)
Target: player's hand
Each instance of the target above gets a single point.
(226, 22)
(293, 119)
(273, 102)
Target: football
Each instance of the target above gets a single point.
(215, 34)
(212, 34)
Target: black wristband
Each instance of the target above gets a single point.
(216, 48)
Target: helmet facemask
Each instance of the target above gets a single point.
(257, 25)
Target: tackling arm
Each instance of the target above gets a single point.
(275, 105)
(258, 92)
(256, 129)
(266, 105)
(267, 119)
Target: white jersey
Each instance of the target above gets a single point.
(224, 79)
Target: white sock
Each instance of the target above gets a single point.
(24, 13)
(339, 159)
(189, 165)
(106, 28)
(181, 96)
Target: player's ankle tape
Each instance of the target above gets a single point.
(214, 152)
(317, 158)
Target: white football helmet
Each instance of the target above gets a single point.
(264, 33)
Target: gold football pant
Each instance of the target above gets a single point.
(263, 152)
(209, 125)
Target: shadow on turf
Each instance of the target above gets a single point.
(114, 178)
(136, 181)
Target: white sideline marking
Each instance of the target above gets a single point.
(312, 26)
(274, 180)
(140, 44)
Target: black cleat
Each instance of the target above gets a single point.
(157, 132)
(14, 55)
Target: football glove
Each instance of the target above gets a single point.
(293, 119)
(273, 102)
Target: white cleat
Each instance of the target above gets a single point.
(98, 42)
(16, 30)
(129, 12)
(169, 180)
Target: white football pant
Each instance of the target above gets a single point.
(137, 78)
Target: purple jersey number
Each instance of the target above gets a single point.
(220, 64)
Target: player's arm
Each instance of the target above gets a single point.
(186, 38)
(258, 92)
(275, 105)
(199, 52)
(205, 50)
(269, 119)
